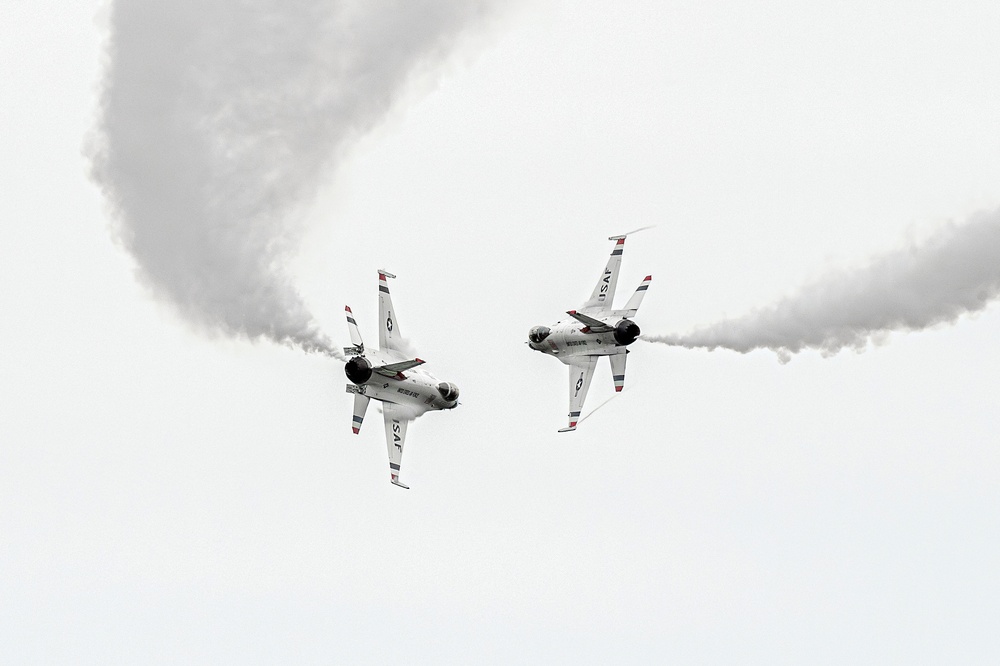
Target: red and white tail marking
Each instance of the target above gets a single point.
(352, 329)
(618, 370)
(360, 407)
(633, 303)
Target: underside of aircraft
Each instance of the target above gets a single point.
(595, 329)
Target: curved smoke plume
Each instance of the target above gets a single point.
(220, 118)
(954, 272)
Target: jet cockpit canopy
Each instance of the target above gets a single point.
(538, 333)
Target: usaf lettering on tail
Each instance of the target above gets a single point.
(606, 285)
(581, 340)
(385, 374)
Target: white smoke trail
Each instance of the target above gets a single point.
(219, 120)
(954, 272)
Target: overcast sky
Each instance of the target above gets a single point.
(169, 493)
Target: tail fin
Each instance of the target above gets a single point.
(358, 346)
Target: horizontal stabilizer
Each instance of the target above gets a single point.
(633, 303)
(595, 325)
(360, 406)
(357, 347)
(396, 369)
(618, 369)
(396, 482)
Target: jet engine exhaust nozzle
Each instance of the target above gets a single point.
(358, 370)
(626, 332)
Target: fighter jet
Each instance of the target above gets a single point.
(592, 331)
(387, 374)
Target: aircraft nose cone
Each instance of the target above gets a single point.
(448, 391)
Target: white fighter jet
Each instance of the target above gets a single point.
(387, 374)
(594, 330)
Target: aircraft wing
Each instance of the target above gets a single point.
(389, 338)
(395, 436)
(581, 371)
(594, 325)
(604, 292)
(396, 369)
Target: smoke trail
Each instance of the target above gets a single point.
(219, 120)
(954, 272)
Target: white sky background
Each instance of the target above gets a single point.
(167, 497)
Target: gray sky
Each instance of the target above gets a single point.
(167, 495)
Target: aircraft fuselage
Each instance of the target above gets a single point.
(414, 388)
(570, 338)
(596, 329)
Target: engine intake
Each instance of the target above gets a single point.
(626, 332)
(358, 370)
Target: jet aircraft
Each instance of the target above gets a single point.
(387, 374)
(592, 331)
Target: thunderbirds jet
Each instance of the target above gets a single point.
(592, 331)
(388, 375)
